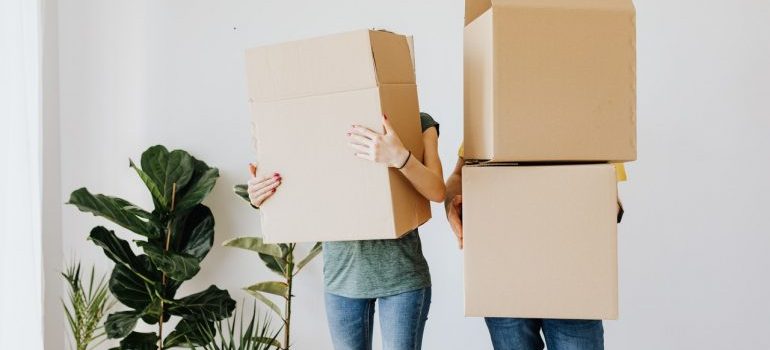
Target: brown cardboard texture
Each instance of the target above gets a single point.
(550, 80)
(540, 241)
(304, 96)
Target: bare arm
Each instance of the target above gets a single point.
(427, 177)
(454, 201)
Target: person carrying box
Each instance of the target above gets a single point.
(509, 333)
(390, 272)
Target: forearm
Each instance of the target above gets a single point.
(454, 184)
(426, 181)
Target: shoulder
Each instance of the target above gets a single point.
(428, 122)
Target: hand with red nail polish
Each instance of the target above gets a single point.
(260, 188)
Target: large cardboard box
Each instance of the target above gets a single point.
(550, 80)
(540, 241)
(304, 97)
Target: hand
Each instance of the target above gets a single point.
(261, 188)
(381, 148)
(455, 217)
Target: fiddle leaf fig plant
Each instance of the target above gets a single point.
(280, 259)
(172, 240)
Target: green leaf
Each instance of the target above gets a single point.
(117, 250)
(310, 256)
(242, 191)
(272, 287)
(211, 304)
(203, 180)
(129, 289)
(114, 209)
(255, 244)
(190, 333)
(133, 209)
(274, 264)
(157, 194)
(140, 341)
(120, 324)
(194, 232)
(167, 168)
(177, 266)
(269, 303)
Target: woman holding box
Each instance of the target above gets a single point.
(391, 272)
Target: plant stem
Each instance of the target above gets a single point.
(289, 283)
(163, 280)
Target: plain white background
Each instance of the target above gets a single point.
(694, 262)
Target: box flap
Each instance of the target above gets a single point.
(614, 5)
(334, 63)
(474, 9)
(392, 58)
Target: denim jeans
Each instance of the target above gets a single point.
(524, 334)
(402, 320)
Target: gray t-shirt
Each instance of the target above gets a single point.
(377, 268)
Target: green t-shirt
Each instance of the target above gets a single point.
(377, 268)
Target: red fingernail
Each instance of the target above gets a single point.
(385, 115)
(274, 190)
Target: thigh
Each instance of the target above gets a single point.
(402, 319)
(574, 334)
(514, 333)
(350, 322)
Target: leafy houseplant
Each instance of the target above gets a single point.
(174, 238)
(256, 335)
(280, 259)
(87, 307)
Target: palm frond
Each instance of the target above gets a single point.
(85, 308)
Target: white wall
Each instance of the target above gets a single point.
(694, 259)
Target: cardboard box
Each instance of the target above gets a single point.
(304, 97)
(540, 241)
(550, 80)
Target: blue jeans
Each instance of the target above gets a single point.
(402, 320)
(524, 334)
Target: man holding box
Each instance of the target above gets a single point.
(524, 333)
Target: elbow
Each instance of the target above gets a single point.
(439, 195)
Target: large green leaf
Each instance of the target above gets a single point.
(117, 250)
(203, 180)
(271, 287)
(193, 232)
(166, 169)
(177, 266)
(114, 209)
(190, 333)
(310, 256)
(130, 289)
(133, 209)
(265, 300)
(151, 314)
(156, 193)
(212, 304)
(255, 244)
(140, 341)
(120, 324)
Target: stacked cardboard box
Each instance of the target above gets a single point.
(550, 100)
(304, 96)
